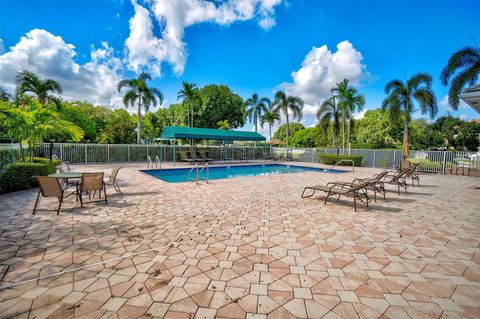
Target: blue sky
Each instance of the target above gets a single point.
(250, 51)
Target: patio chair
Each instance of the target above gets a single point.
(185, 158)
(414, 174)
(92, 182)
(399, 179)
(374, 184)
(203, 155)
(357, 191)
(195, 157)
(112, 180)
(404, 165)
(49, 187)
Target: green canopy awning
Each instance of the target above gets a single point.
(176, 132)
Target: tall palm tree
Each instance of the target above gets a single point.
(254, 108)
(270, 116)
(349, 101)
(141, 94)
(401, 98)
(329, 114)
(32, 83)
(288, 104)
(462, 68)
(339, 90)
(352, 102)
(190, 95)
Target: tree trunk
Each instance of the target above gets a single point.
(406, 143)
(139, 114)
(333, 136)
(270, 129)
(348, 137)
(343, 132)
(287, 132)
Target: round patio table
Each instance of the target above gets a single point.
(67, 175)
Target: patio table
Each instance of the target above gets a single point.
(67, 175)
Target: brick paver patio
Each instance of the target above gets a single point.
(244, 248)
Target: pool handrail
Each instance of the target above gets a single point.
(345, 160)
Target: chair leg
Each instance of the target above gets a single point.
(355, 202)
(60, 200)
(36, 202)
(326, 198)
(80, 196)
(117, 187)
(105, 192)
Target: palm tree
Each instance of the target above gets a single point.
(141, 94)
(269, 116)
(329, 114)
(351, 101)
(285, 104)
(465, 63)
(191, 96)
(257, 107)
(223, 125)
(4, 96)
(30, 82)
(401, 97)
(339, 90)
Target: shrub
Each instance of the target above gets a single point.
(331, 159)
(19, 175)
(41, 160)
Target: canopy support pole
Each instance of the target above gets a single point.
(174, 152)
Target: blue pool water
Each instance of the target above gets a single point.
(218, 172)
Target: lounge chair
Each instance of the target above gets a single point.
(193, 155)
(374, 184)
(49, 187)
(357, 191)
(92, 182)
(412, 168)
(112, 179)
(397, 179)
(186, 158)
(414, 174)
(203, 155)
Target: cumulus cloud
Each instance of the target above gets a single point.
(51, 57)
(147, 51)
(445, 106)
(321, 69)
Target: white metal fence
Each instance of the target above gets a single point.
(431, 161)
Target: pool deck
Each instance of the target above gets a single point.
(243, 248)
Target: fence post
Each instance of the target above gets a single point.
(444, 162)
(108, 153)
(128, 153)
(373, 158)
(86, 159)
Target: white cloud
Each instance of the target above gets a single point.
(321, 69)
(360, 115)
(445, 107)
(50, 57)
(147, 51)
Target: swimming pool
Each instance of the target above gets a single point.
(179, 175)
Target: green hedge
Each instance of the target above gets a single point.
(19, 175)
(331, 159)
(41, 160)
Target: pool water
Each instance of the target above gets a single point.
(219, 172)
